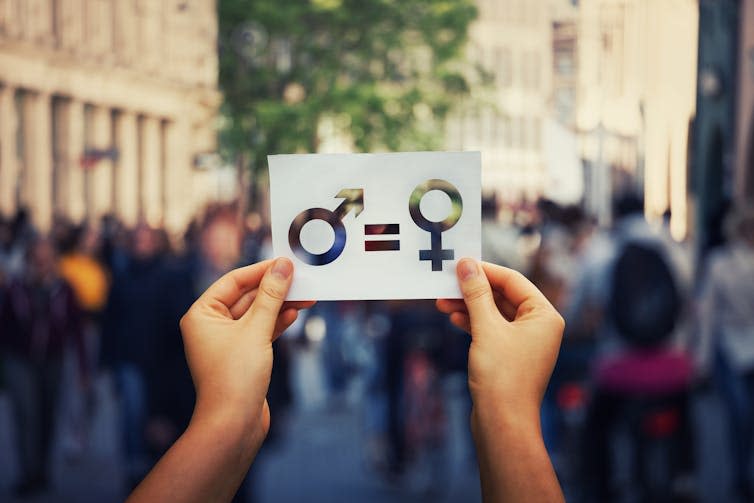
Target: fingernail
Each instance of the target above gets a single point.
(282, 268)
(467, 269)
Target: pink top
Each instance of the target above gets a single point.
(656, 371)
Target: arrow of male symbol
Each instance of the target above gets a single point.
(353, 199)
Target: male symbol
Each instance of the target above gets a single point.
(354, 199)
(436, 254)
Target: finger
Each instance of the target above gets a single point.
(504, 306)
(515, 288)
(272, 291)
(231, 287)
(285, 320)
(462, 321)
(300, 304)
(476, 291)
(244, 303)
(449, 306)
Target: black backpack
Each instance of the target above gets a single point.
(644, 301)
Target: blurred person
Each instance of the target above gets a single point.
(551, 269)
(215, 250)
(552, 264)
(11, 251)
(218, 249)
(632, 294)
(228, 335)
(114, 243)
(61, 231)
(726, 319)
(410, 358)
(83, 269)
(254, 235)
(424, 409)
(499, 241)
(333, 353)
(131, 332)
(39, 320)
(22, 229)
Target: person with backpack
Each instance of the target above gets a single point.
(638, 287)
(726, 321)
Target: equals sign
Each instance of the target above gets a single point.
(382, 230)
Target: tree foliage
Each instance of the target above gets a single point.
(384, 72)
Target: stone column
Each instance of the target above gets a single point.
(151, 170)
(100, 181)
(179, 202)
(8, 155)
(37, 176)
(127, 168)
(75, 197)
(59, 156)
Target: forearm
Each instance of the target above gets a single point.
(206, 464)
(513, 463)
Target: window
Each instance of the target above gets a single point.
(502, 66)
(516, 133)
(536, 133)
(504, 131)
(530, 70)
(535, 70)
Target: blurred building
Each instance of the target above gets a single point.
(723, 151)
(744, 164)
(636, 99)
(104, 106)
(565, 26)
(512, 41)
(564, 165)
(714, 139)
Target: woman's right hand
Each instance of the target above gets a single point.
(515, 335)
(515, 338)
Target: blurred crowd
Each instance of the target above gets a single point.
(109, 298)
(647, 324)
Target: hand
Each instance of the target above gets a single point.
(515, 337)
(228, 335)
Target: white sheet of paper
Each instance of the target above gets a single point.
(327, 210)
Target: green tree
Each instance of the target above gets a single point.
(384, 72)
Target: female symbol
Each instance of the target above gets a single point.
(436, 254)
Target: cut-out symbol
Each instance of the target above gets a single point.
(353, 200)
(382, 230)
(436, 254)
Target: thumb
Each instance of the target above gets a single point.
(271, 295)
(476, 291)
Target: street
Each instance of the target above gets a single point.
(320, 457)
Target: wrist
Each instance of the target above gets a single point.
(237, 428)
(505, 419)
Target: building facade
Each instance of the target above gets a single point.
(636, 101)
(744, 157)
(104, 107)
(714, 139)
(723, 151)
(511, 40)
